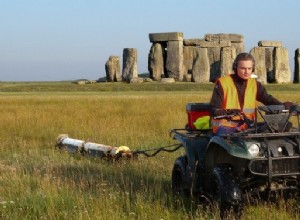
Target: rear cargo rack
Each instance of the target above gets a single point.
(191, 133)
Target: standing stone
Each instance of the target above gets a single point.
(281, 65)
(260, 64)
(297, 69)
(228, 54)
(270, 65)
(187, 60)
(129, 64)
(239, 47)
(214, 62)
(201, 68)
(156, 61)
(174, 60)
(112, 68)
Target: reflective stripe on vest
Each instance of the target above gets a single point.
(231, 100)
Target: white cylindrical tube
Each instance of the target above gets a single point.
(71, 144)
(106, 149)
(93, 149)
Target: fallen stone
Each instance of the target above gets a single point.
(147, 80)
(167, 80)
(135, 80)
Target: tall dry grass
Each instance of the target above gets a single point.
(38, 181)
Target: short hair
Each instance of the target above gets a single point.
(243, 57)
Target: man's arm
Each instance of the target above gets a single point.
(264, 97)
(217, 96)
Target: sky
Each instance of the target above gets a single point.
(53, 40)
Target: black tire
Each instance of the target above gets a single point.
(178, 177)
(226, 193)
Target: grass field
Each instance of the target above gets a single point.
(38, 181)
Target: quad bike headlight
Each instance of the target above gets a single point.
(253, 149)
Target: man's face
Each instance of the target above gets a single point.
(244, 69)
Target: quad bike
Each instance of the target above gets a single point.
(263, 160)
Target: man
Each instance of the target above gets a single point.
(239, 90)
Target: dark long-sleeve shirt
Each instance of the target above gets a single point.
(261, 96)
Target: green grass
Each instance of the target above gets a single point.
(121, 87)
(38, 181)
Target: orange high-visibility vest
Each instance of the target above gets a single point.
(231, 100)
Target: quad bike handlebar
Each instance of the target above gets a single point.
(275, 117)
(277, 109)
(233, 115)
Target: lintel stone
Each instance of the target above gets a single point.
(235, 38)
(265, 43)
(204, 43)
(169, 36)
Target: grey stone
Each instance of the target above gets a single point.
(129, 64)
(187, 78)
(156, 61)
(112, 68)
(239, 47)
(214, 57)
(270, 64)
(148, 80)
(80, 82)
(201, 68)
(162, 37)
(265, 43)
(281, 65)
(174, 60)
(228, 54)
(136, 80)
(234, 38)
(167, 80)
(259, 55)
(204, 43)
(91, 82)
(187, 59)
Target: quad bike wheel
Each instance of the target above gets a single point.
(178, 186)
(226, 193)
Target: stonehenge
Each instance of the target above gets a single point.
(166, 54)
(197, 60)
(208, 58)
(203, 60)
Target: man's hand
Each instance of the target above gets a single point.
(288, 105)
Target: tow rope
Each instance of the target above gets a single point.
(157, 150)
(105, 151)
